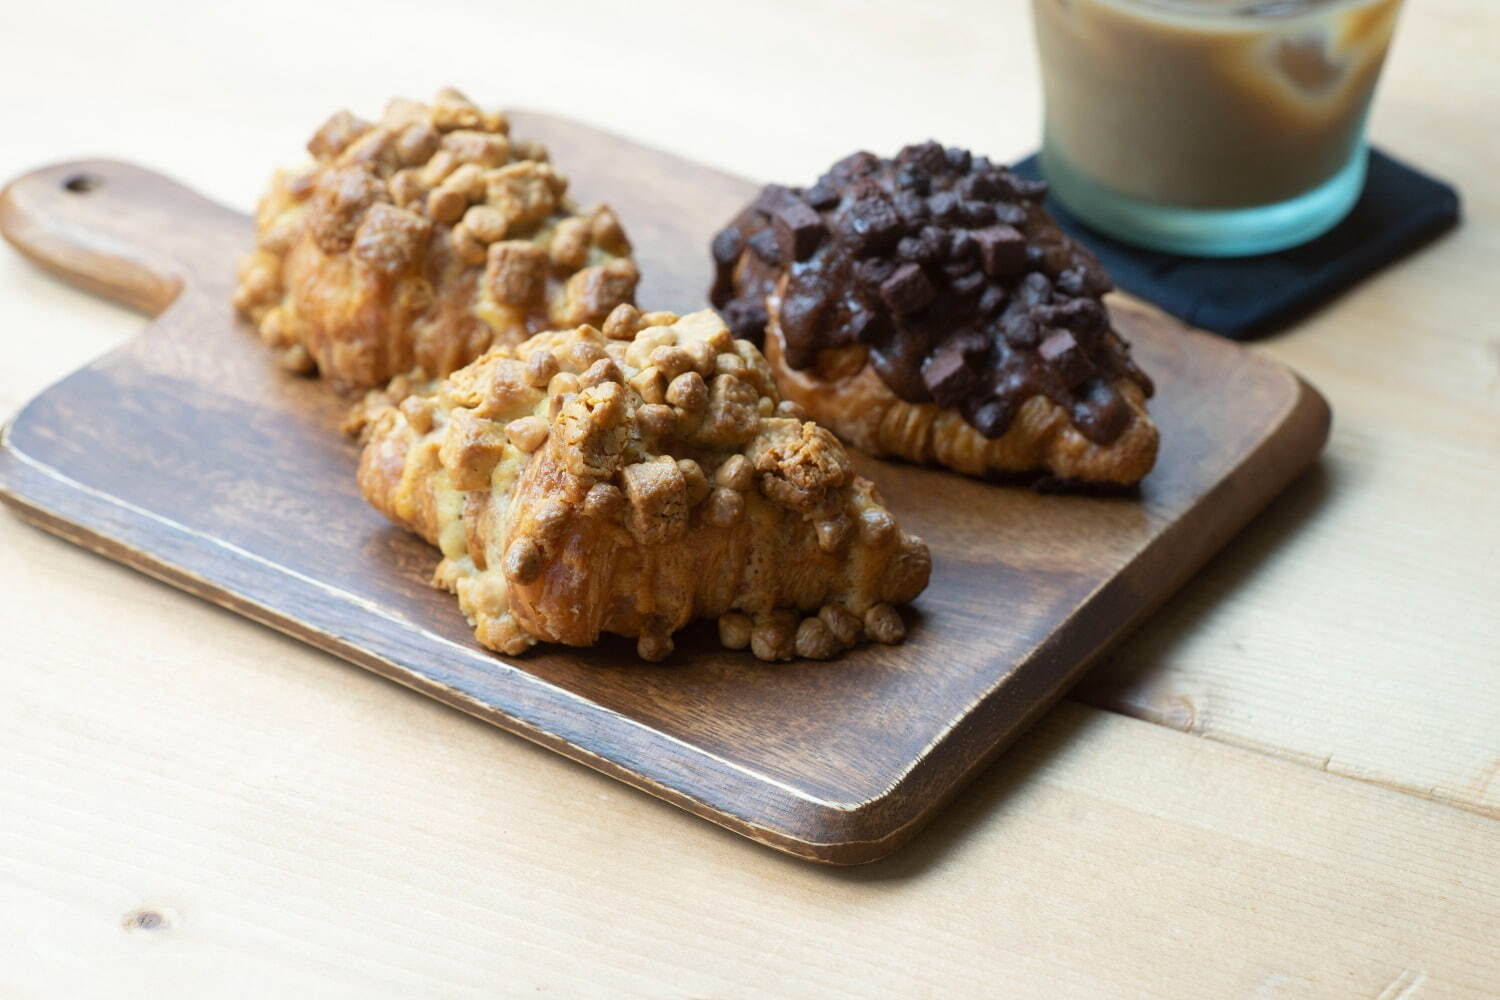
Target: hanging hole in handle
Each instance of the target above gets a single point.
(83, 183)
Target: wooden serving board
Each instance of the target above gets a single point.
(188, 455)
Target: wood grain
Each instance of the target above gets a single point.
(311, 830)
(188, 456)
(1356, 626)
(271, 822)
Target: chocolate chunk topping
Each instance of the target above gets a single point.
(911, 207)
(982, 187)
(765, 246)
(991, 419)
(915, 181)
(962, 245)
(727, 246)
(868, 327)
(1011, 215)
(799, 230)
(948, 271)
(870, 225)
(1083, 316)
(929, 156)
(1020, 330)
(773, 197)
(968, 284)
(917, 249)
(907, 290)
(949, 377)
(822, 196)
(977, 213)
(944, 206)
(1063, 352)
(992, 301)
(874, 271)
(746, 319)
(1002, 249)
(1072, 282)
(1030, 190)
(1035, 289)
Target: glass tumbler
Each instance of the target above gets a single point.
(1211, 128)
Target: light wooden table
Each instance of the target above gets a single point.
(1287, 784)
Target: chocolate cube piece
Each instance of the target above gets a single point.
(967, 285)
(914, 248)
(1062, 351)
(961, 267)
(728, 245)
(1011, 215)
(971, 344)
(1020, 329)
(799, 230)
(856, 165)
(980, 187)
(914, 180)
(907, 290)
(958, 159)
(943, 205)
(911, 206)
(868, 327)
(992, 301)
(950, 377)
(1035, 289)
(1028, 190)
(1082, 316)
(928, 156)
(992, 419)
(961, 245)
(822, 195)
(1002, 249)
(874, 270)
(1096, 280)
(870, 225)
(1071, 282)
(772, 197)
(977, 213)
(746, 320)
(765, 246)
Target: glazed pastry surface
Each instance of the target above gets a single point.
(413, 244)
(928, 307)
(630, 479)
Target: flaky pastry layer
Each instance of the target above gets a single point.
(843, 392)
(630, 479)
(415, 243)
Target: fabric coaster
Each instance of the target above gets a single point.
(1242, 297)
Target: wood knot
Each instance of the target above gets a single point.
(146, 920)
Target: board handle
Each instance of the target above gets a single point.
(120, 231)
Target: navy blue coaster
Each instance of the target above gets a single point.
(1242, 297)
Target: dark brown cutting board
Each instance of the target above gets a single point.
(188, 455)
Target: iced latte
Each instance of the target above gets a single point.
(1209, 126)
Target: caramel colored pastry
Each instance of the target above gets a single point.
(929, 308)
(413, 244)
(631, 479)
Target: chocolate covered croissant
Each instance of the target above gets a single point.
(413, 244)
(928, 307)
(630, 479)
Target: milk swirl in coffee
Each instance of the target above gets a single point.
(1209, 104)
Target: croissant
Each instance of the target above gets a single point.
(928, 307)
(630, 479)
(413, 244)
